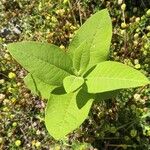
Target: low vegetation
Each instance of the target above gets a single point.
(120, 122)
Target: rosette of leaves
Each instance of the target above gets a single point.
(73, 80)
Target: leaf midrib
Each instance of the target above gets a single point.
(66, 112)
(120, 79)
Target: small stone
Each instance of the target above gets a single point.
(16, 30)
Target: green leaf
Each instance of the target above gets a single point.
(106, 95)
(109, 76)
(59, 91)
(83, 97)
(63, 115)
(72, 83)
(38, 87)
(97, 32)
(45, 61)
(81, 58)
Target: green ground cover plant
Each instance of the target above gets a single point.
(73, 80)
(120, 122)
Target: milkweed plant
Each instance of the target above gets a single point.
(73, 80)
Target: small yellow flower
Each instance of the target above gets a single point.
(65, 1)
(136, 36)
(60, 12)
(146, 46)
(11, 75)
(122, 32)
(12, 116)
(123, 25)
(14, 124)
(148, 133)
(38, 132)
(5, 109)
(72, 27)
(13, 100)
(6, 101)
(1, 140)
(33, 142)
(62, 46)
(120, 2)
(133, 133)
(19, 84)
(137, 19)
(40, 6)
(148, 13)
(137, 96)
(123, 7)
(48, 17)
(10, 90)
(6, 56)
(17, 142)
(135, 43)
(54, 19)
(145, 53)
(148, 28)
(38, 144)
(137, 66)
(2, 81)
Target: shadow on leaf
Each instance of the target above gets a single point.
(83, 97)
(59, 91)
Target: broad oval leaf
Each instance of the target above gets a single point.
(106, 95)
(109, 76)
(72, 83)
(38, 86)
(81, 58)
(45, 61)
(63, 115)
(97, 32)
